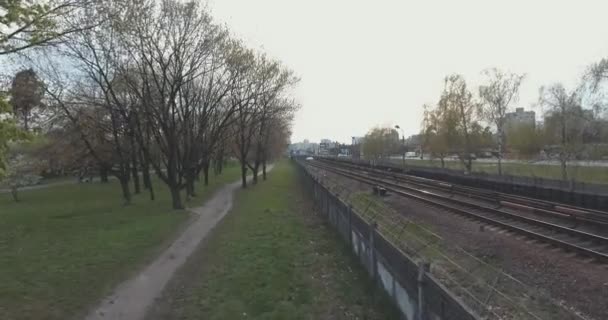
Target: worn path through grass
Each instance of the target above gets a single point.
(272, 258)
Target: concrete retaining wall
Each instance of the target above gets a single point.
(412, 289)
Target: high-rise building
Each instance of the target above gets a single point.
(520, 118)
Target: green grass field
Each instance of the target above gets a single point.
(579, 173)
(272, 258)
(64, 247)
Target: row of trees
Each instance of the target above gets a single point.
(466, 124)
(453, 126)
(157, 87)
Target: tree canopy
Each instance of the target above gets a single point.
(381, 142)
(28, 24)
(27, 91)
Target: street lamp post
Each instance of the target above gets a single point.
(402, 145)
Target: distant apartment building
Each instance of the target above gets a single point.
(304, 148)
(519, 118)
(326, 146)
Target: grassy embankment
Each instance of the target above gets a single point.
(64, 247)
(272, 258)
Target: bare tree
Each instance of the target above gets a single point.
(564, 122)
(597, 73)
(93, 88)
(458, 104)
(439, 128)
(172, 89)
(97, 123)
(213, 114)
(274, 81)
(242, 97)
(172, 46)
(500, 90)
(274, 135)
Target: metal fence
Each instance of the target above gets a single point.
(412, 288)
(424, 274)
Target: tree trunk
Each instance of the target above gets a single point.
(103, 174)
(243, 175)
(254, 171)
(562, 158)
(176, 197)
(191, 175)
(499, 164)
(264, 170)
(15, 193)
(442, 163)
(145, 172)
(124, 185)
(26, 126)
(151, 190)
(173, 180)
(206, 173)
(190, 188)
(135, 175)
(147, 180)
(466, 163)
(500, 138)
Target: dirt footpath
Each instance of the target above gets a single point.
(131, 299)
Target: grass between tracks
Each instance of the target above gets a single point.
(64, 247)
(272, 258)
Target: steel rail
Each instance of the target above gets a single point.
(448, 204)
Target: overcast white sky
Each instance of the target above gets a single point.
(368, 63)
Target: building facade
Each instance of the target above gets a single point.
(520, 118)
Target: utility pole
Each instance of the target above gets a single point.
(402, 145)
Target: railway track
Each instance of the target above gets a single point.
(542, 207)
(583, 243)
